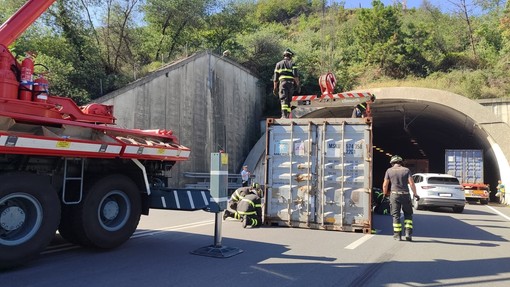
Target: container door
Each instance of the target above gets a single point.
(291, 166)
(465, 165)
(344, 198)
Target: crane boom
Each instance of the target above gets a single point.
(22, 19)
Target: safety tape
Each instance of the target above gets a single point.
(332, 96)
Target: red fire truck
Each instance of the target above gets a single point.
(68, 168)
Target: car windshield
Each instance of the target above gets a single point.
(443, 180)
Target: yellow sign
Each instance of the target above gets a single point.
(224, 158)
(161, 150)
(63, 144)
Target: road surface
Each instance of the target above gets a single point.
(449, 249)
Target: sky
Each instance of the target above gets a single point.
(443, 5)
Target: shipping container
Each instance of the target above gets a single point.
(319, 173)
(465, 164)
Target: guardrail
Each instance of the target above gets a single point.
(203, 180)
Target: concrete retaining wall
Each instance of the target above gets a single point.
(209, 102)
(500, 107)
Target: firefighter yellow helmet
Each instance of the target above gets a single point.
(256, 188)
(395, 159)
(288, 52)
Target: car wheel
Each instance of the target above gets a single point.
(458, 209)
(484, 201)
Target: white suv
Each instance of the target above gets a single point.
(439, 190)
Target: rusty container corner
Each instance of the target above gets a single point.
(318, 174)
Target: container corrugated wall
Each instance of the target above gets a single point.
(318, 173)
(465, 164)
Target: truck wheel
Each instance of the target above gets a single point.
(109, 213)
(29, 216)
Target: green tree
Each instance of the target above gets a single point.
(174, 22)
(221, 28)
(378, 36)
(281, 10)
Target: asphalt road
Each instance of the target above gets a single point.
(449, 249)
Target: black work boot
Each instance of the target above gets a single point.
(397, 236)
(226, 214)
(409, 234)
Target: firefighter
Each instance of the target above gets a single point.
(250, 208)
(360, 111)
(400, 177)
(286, 76)
(237, 197)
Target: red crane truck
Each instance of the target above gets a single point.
(68, 168)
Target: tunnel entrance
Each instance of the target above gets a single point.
(419, 130)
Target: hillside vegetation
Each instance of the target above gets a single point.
(92, 47)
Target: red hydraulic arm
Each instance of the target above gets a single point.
(22, 19)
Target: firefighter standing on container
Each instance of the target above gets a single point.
(400, 198)
(286, 76)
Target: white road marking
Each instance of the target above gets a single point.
(499, 212)
(273, 273)
(178, 227)
(360, 241)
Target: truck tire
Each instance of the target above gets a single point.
(108, 214)
(29, 216)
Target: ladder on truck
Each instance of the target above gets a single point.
(72, 189)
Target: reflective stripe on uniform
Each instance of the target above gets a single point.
(408, 223)
(249, 201)
(247, 212)
(397, 227)
(237, 196)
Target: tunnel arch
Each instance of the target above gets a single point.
(420, 123)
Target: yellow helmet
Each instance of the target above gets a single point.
(396, 158)
(288, 52)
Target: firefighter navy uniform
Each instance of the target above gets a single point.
(286, 76)
(250, 208)
(400, 198)
(246, 205)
